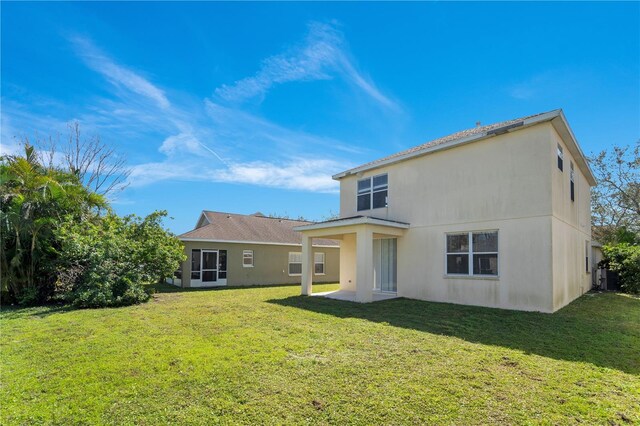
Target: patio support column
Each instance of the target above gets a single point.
(364, 265)
(307, 265)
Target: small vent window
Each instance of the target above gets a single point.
(560, 158)
(572, 184)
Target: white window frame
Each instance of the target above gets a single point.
(315, 263)
(560, 158)
(247, 254)
(572, 184)
(294, 253)
(373, 190)
(470, 253)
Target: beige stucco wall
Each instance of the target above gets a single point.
(504, 177)
(502, 183)
(524, 266)
(271, 263)
(571, 229)
(348, 262)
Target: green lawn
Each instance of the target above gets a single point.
(267, 355)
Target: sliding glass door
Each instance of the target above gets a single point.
(385, 264)
(208, 268)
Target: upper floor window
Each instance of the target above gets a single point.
(560, 157)
(372, 192)
(571, 173)
(472, 253)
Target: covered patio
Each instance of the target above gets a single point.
(368, 257)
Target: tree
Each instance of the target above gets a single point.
(60, 240)
(624, 259)
(615, 201)
(33, 201)
(98, 166)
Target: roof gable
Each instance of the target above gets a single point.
(556, 117)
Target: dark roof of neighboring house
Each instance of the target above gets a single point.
(474, 133)
(255, 228)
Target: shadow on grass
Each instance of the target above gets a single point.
(168, 288)
(600, 329)
(15, 311)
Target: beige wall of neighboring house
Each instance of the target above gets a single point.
(257, 251)
(509, 183)
(271, 263)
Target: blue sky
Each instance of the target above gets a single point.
(245, 107)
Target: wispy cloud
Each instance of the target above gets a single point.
(321, 56)
(292, 173)
(217, 140)
(188, 158)
(116, 74)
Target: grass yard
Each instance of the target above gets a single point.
(269, 356)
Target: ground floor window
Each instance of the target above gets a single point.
(247, 258)
(295, 263)
(472, 253)
(318, 263)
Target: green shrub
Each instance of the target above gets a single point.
(624, 258)
(108, 262)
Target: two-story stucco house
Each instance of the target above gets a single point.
(495, 216)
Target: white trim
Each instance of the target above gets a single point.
(203, 213)
(560, 156)
(208, 240)
(580, 158)
(548, 116)
(352, 221)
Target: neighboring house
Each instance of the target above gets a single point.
(494, 216)
(237, 250)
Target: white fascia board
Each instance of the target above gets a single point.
(264, 243)
(203, 213)
(580, 158)
(365, 220)
(548, 116)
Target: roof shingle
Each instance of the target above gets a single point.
(251, 228)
